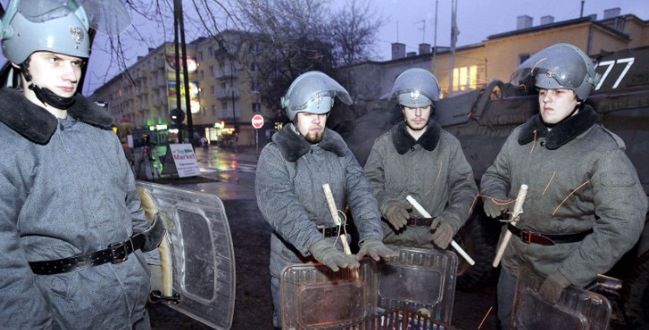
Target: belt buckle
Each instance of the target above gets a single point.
(526, 236)
(118, 252)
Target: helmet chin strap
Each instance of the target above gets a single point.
(48, 97)
(45, 95)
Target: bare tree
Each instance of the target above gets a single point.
(353, 32)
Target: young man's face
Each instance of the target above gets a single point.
(311, 125)
(556, 104)
(416, 118)
(56, 72)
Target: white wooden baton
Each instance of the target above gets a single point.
(518, 209)
(454, 244)
(334, 214)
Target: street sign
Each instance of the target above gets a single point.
(257, 121)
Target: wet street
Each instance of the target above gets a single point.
(232, 179)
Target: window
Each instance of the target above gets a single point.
(253, 66)
(200, 55)
(254, 86)
(256, 107)
(210, 51)
(465, 78)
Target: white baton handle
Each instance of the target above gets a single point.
(454, 244)
(334, 214)
(518, 209)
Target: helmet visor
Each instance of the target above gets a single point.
(564, 68)
(312, 86)
(39, 11)
(107, 16)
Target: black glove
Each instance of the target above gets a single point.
(493, 208)
(397, 214)
(552, 287)
(443, 233)
(377, 250)
(326, 253)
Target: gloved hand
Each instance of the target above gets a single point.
(397, 214)
(552, 287)
(377, 250)
(443, 233)
(326, 253)
(493, 208)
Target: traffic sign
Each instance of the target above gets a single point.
(257, 121)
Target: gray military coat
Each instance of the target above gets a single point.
(432, 169)
(288, 185)
(66, 189)
(579, 179)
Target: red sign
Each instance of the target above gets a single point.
(257, 121)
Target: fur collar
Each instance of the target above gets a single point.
(403, 141)
(38, 125)
(293, 146)
(561, 133)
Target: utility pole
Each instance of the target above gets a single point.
(581, 11)
(454, 33)
(179, 29)
(177, 67)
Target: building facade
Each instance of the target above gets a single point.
(223, 91)
(471, 67)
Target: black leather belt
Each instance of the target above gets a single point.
(528, 236)
(332, 231)
(115, 253)
(416, 222)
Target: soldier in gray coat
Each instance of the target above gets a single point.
(417, 157)
(585, 206)
(70, 217)
(291, 170)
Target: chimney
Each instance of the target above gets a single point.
(612, 12)
(424, 48)
(548, 19)
(411, 54)
(398, 50)
(523, 22)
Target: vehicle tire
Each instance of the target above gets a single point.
(478, 238)
(635, 295)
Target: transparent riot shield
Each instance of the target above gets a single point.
(194, 267)
(414, 292)
(576, 309)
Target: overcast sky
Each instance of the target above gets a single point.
(405, 21)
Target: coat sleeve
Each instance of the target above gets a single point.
(496, 181)
(620, 210)
(462, 189)
(375, 173)
(361, 201)
(279, 204)
(22, 306)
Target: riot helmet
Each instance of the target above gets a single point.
(57, 26)
(415, 88)
(313, 92)
(563, 66)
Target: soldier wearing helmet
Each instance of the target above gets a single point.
(71, 223)
(291, 170)
(585, 206)
(417, 157)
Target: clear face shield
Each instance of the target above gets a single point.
(313, 92)
(107, 16)
(559, 67)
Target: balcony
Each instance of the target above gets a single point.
(226, 94)
(224, 73)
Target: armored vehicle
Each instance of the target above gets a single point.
(482, 120)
